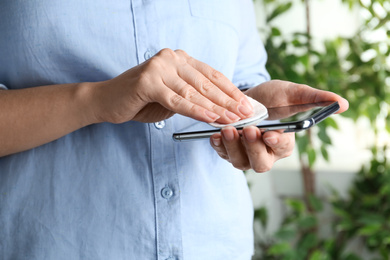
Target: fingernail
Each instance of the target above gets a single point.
(250, 135)
(216, 141)
(245, 111)
(271, 140)
(246, 103)
(228, 134)
(232, 116)
(211, 115)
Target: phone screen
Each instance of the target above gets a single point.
(293, 113)
(288, 118)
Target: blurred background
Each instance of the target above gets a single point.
(331, 199)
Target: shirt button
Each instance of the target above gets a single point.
(159, 125)
(148, 54)
(167, 193)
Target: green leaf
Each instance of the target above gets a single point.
(279, 249)
(275, 31)
(341, 211)
(318, 255)
(352, 256)
(345, 226)
(312, 156)
(262, 215)
(367, 218)
(324, 153)
(373, 241)
(308, 242)
(385, 189)
(323, 135)
(315, 203)
(307, 222)
(386, 241)
(280, 9)
(296, 205)
(370, 230)
(303, 143)
(305, 60)
(286, 233)
(331, 123)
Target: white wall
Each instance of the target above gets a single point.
(329, 18)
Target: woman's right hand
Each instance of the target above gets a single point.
(168, 83)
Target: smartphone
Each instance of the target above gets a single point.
(288, 118)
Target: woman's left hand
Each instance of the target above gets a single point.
(259, 151)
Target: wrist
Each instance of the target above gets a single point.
(87, 102)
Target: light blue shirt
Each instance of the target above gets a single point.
(123, 191)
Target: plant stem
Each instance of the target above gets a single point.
(308, 24)
(308, 174)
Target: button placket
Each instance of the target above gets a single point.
(166, 190)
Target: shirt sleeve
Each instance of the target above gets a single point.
(2, 86)
(250, 66)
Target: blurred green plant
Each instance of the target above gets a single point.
(357, 68)
(362, 219)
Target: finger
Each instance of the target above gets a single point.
(187, 91)
(306, 94)
(260, 158)
(321, 95)
(178, 104)
(217, 78)
(281, 144)
(235, 149)
(216, 143)
(344, 105)
(223, 83)
(208, 89)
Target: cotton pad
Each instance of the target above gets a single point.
(260, 113)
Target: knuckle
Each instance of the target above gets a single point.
(230, 103)
(194, 109)
(175, 100)
(181, 53)
(166, 52)
(223, 155)
(241, 165)
(285, 150)
(154, 63)
(189, 93)
(205, 85)
(216, 108)
(216, 75)
(262, 168)
(287, 154)
(236, 92)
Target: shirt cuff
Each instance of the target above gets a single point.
(3, 87)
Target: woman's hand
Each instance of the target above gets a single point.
(252, 149)
(259, 151)
(168, 83)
